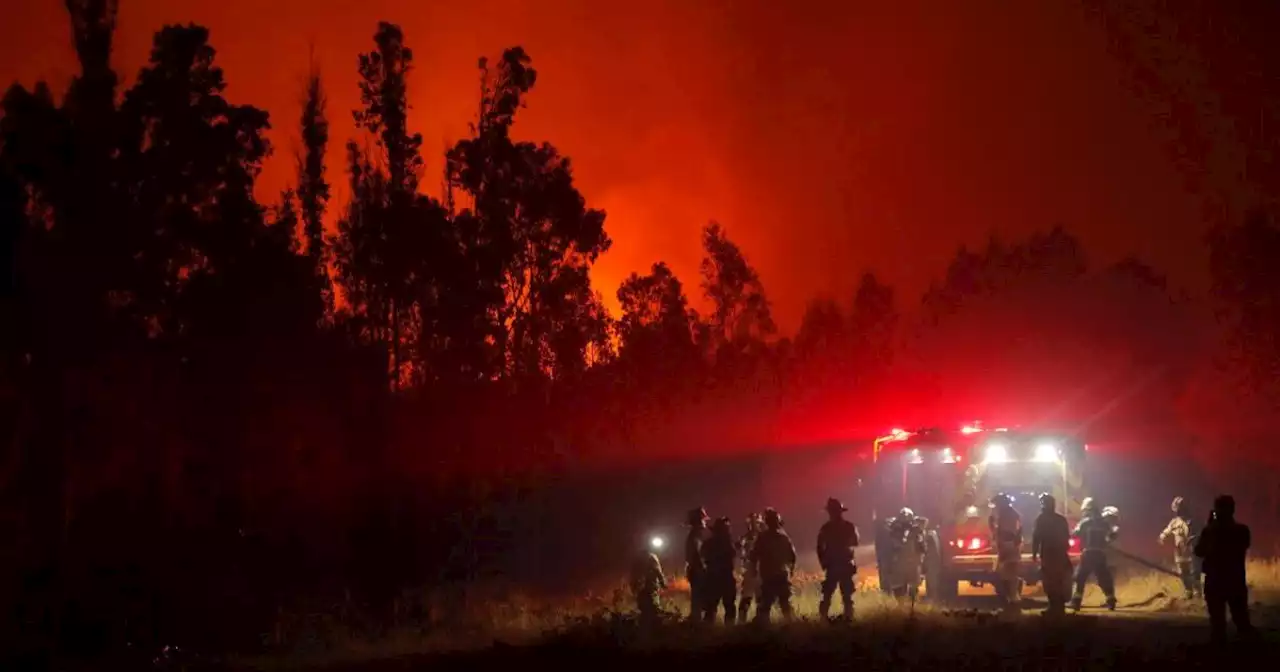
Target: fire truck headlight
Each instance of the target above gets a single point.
(996, 453)
(914, 456)
(971, 512)
(656, 543)
(1046, 452)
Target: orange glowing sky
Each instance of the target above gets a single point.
(828, 137)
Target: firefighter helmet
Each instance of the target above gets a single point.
(697, 516)
(772, 518)
(1178, 506)
(1047, 502)
(1001, 499)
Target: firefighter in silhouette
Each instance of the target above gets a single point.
(908, 552)
(932, 558)
(750, 577)
(1050, 542)
(837, 540)
(647, 581)
(1096, 530)
(1006, 533)
(1223, 545)
(774, 559)
(884, 553)
(695, 567)
(1181, 531)
(722, 586)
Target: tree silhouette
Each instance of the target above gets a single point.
(1246, 289)
(740, 321)
(388, 239)
(313, 190)
(527, 229)
(873, 323)
(657, 331)
(822, 330)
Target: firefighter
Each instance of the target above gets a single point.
(647, 581)
(1182, 532)
(695, 567)
(908, 554)
(750, 577)
(1050, 541)
(932, 558)
(836, 543)
(722, 587)
(774, 559)
(1096, 532)
(1223, 545)
(1006, 532)
(884, 553)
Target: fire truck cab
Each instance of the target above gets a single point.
(950, 476)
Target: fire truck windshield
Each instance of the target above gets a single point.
(1026, 500)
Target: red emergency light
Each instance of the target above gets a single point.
(974, 543)
(978, 543)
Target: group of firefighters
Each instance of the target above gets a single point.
(768, 559)
(908, 550)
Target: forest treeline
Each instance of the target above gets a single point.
(212, 406)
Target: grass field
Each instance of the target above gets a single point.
(1153, 626)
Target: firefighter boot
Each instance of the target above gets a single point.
(824, 609)
(1076, 600)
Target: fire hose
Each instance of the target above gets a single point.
(1145, 562)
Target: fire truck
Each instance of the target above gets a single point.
(949, 476)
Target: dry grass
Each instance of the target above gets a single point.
(488, 618)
